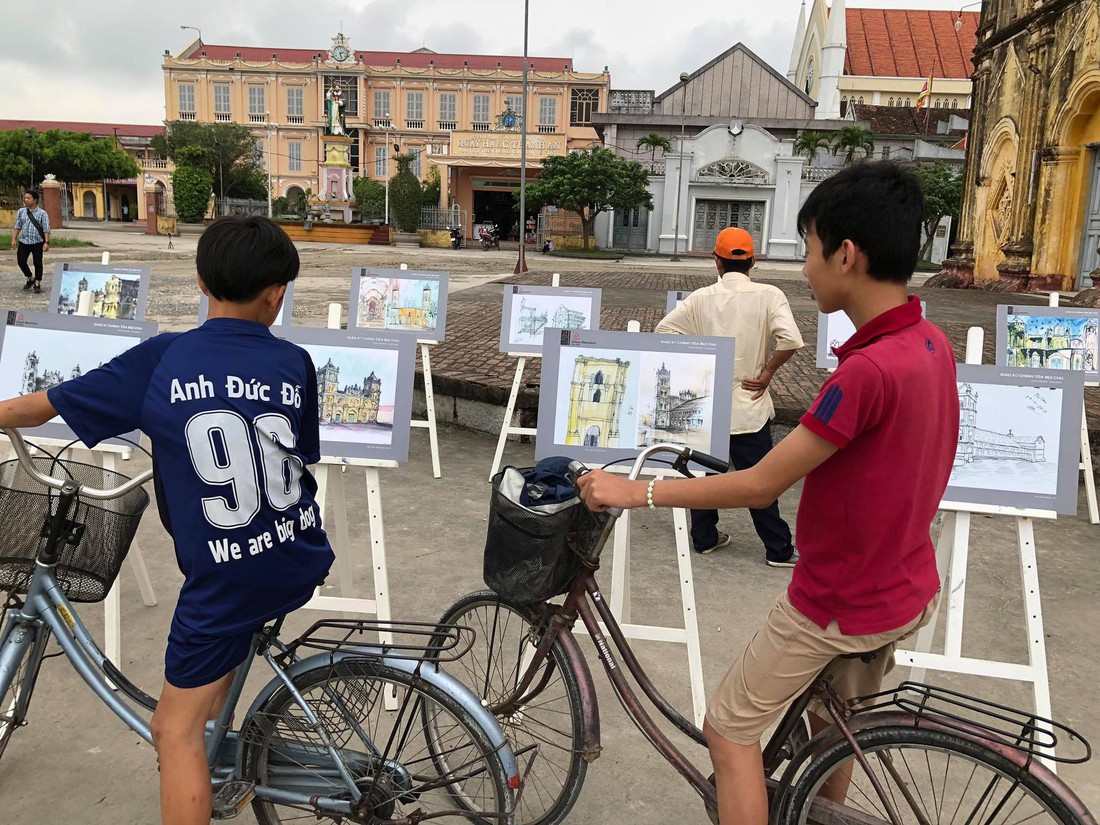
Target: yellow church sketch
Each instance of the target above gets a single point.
(596, 395)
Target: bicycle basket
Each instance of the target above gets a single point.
(87, 568)
(533, 553)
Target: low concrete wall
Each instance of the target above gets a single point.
(435, 238)
(7, 218)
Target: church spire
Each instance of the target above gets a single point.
(832, 62)
(796, 49)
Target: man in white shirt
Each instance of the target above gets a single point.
(754, 315)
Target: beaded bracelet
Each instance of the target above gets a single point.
(649, 494)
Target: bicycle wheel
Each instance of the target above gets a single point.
(391, 754)
(929, 777)
(507, 635)
(17, 699)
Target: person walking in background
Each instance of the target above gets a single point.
(31, 237)
(755, 315)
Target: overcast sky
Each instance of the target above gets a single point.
(100, 60)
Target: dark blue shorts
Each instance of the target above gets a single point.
(193, 660)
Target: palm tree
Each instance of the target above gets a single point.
(853, 139)
(809, 143)
(653, 142)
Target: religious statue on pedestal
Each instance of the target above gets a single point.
(334, 112)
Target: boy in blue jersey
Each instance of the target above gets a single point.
(231, 411)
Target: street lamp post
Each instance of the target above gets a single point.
(388, 128)
(196, 29)
(521, 264)
(680, 170)
(269, 128)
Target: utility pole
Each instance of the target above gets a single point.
(521, 264)
(680, 171)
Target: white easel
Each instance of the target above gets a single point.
(506, 428)
(952, 550)
(1086, 449)
(429, 401)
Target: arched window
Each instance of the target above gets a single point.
(954, 104)
(891, 103)
(861, 100)
(908, 103)
(599, 377)
(596, 396)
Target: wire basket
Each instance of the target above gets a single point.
(95, 547)
(532, 556)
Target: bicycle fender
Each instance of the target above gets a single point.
(429, 672)
(590, 711)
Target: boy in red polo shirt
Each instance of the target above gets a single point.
(875, 449)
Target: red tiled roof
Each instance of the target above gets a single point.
(413, 60)
(906, 120)
(909, 42)
(102, 129)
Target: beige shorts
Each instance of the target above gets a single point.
(784, 658)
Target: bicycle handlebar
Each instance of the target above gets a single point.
(27, 463)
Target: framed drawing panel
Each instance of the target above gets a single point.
(403, 300)
(607, 395)
(833, 330)
(286, 311)
(117, 292)
(39, 350)
(529, 310)
(364, 389)
(674, 299)
(1019, 438)
(1050, 338)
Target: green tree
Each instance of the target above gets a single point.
(406, 195)
(653, 142)
(590, 182)
(851, 140)
(432, 186)
(943, 191)
(370, 195)
(26, 156)
(191, 190)
(809, 143)
(226, 150)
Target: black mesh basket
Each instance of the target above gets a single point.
(88, 567)
(532, 556)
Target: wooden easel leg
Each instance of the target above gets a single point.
(378, 561)
(1086, 468)
(134, 559)
(944, 546)
(956, 596)
(620, 570)
(320, 474)
(429, 402)
(691, 615)
(339, 535)
(506, 425)
(1036, 639)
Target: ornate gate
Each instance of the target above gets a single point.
(711, 217)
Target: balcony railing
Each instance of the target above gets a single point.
(447, 125)
(479, 127)
(187, 115)
(381, 123)
(297, 120)
(414, 124)
(223, 117)
(547, 130)
(257, 118)
(154, 163)
(816, 174)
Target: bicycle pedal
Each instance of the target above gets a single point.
(232, 798)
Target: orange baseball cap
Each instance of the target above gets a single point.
(733, 243)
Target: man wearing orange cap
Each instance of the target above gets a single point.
(755, 315)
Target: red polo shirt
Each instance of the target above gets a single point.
(892, 407)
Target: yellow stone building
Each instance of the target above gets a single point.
(1031, 204)
(596, 394)
(456, 111)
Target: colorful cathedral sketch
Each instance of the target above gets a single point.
(117, 299)
(352, 404)
(596, 394)
(394, 303)
(1052, 343)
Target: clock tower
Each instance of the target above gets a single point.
(341, 51)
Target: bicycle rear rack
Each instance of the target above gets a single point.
(998, 724)
(407, 640)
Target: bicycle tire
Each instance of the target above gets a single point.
(278, 727)
(15, 702)
(504, 629)
(971, 757)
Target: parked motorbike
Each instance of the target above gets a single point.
(490, 238)
(456, 238)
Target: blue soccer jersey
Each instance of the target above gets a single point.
(232, 414)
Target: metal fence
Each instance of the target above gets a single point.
(442, 217)
(241, 206)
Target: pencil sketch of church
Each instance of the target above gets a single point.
(353, 404)
(677, 417)
(37, 379)
(532, 321)
(976, 444)
(1052, 343)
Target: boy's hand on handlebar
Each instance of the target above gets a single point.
(600, 490)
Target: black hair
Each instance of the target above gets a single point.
(879, 207)
(735, 265)
(240, 257)
(32, 193)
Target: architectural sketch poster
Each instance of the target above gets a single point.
(835, 329)
(364, 389)
(116, 292)
(39, 350)
(675, 298)
(286, 311)
(1019, 438)
(1050, 338)
(606, 395)
(528, 310)
(405, 300)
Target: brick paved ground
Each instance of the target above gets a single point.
(469, 362)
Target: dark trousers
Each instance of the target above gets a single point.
(746, 450)
(28, 250)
